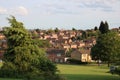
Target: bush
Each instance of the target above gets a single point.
(74, 61)
(117, 70)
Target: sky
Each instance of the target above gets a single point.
(63, 14)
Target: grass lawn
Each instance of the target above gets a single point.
(87, 72)
(80, 72)
(0, 64)
(8, 79)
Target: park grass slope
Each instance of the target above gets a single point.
(87, 72)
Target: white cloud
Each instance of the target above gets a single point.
(3, 10)
(14, 11)
(77, 6)
(22, 10)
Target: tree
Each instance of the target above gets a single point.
(95, 28)
(41, 43)
(56, 30)
(68, 53)
(49, 31)
(79, 38)
(84, 35)
(38, 30)
(73, 29)
(24, 59)
(107, 48)
(104, 28)
(73, 39)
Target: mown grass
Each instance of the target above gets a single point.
(87, 72)
(9, 79)
(83, 72)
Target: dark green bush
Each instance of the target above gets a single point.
(74, 61)
(117, 70)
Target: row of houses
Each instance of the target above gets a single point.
(61, 42)
(65, 40)
(58, 55)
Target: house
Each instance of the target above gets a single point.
(65, 37)
(46, 36)
(3, 47)
(56, 55)
(82, 55)
(69, 41)
(90, 42)
(80, 44)
(2, 36)
(54, 36)
(2, 52)
(66, 46)
(73, 45)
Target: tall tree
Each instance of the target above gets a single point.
(107, 48)
(73, 29)
(84, 35)
(95, 28)
(23, 58)
(104, 28)
(56, 30)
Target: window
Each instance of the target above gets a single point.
(56, 60)
(58, 55)
(61, 60)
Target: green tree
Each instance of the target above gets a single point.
(95, 28)
(56, 30)
(49, 31)
(107, 48)
(38, 30)
(68, 53)
(41, 43)
(104, 27)
(24, 59)
(84, 35)
(73, 29)
(79, 38)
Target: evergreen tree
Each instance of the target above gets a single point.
(56, 30)
(104, 28)
(73, 29)
(95, 28)
(24, 59)
(84, 35)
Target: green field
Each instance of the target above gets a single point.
(77, 72)
(8, 79)
(80, 72)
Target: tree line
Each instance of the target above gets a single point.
(107, 47)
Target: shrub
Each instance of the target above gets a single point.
(74, 61)
(117, 70)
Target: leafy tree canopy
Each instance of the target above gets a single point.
(107, 48)
(23, 58)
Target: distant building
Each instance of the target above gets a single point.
(82, 55)
(56, 55)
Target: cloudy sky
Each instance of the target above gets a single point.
(64, 14)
